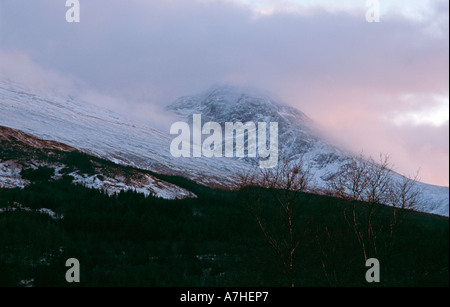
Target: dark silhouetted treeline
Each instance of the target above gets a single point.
(213, 240)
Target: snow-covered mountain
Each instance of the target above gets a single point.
(296, 133)
(297, 136)
(102, 133)
(105, 134)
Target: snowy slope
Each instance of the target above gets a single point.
(21, 151)
(297, 136)
(113, 137)
(104, 134)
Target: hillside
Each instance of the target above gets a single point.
(22, 153)
(213, 240)
(104, 134)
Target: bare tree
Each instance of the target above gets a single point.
(374, 183)
(283, 185)
(404, 198)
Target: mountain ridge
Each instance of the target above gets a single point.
(113, 137)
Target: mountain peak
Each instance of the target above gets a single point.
(226, 102)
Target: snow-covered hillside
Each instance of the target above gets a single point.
(104, 134)
(20, 152)
(113, 137)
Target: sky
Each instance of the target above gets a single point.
(374, 87)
